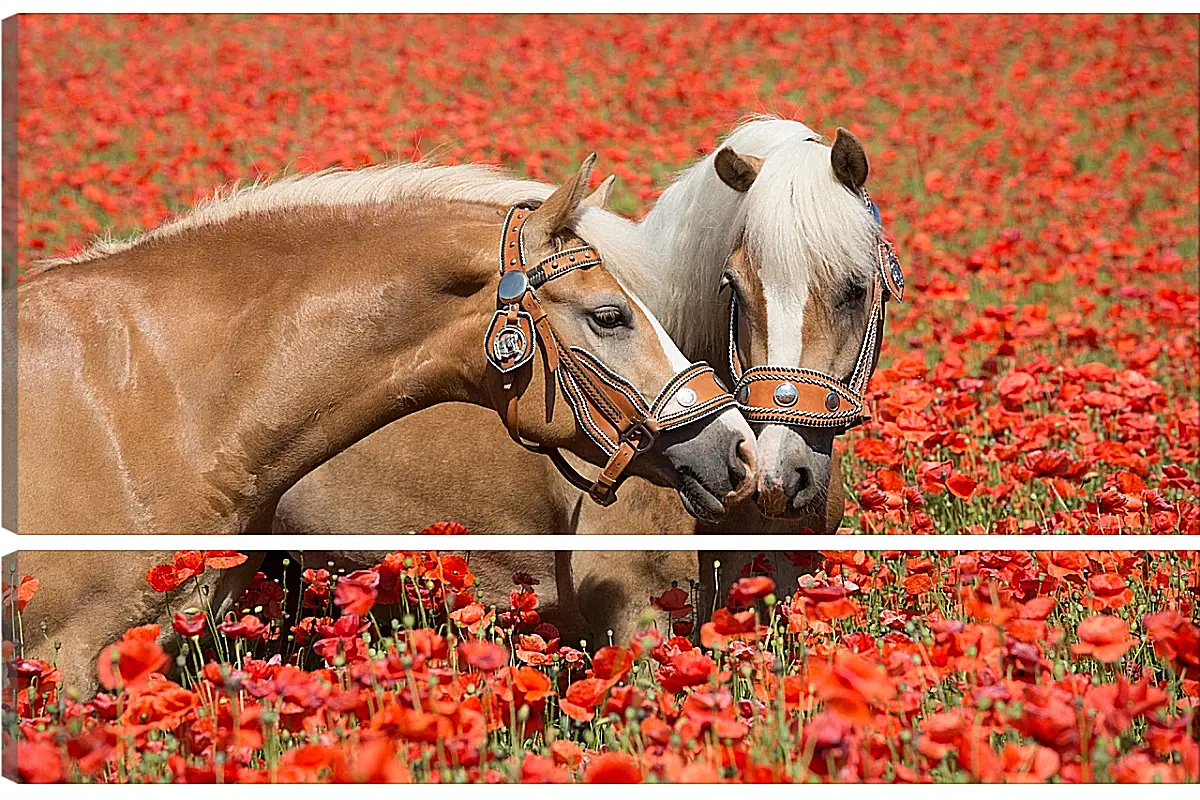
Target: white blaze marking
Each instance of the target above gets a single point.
(785, 322)
(732, 418)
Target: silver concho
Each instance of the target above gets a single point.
(786, 395)
(686, 397)
(513, 286)
(832, 401)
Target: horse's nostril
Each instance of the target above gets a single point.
(806, 479)
(742, 471)
(748, 455)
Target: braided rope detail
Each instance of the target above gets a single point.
(613, 380)
(679, 419)
(583, 414)
(686, 416)
(792, 417)
(672, 386)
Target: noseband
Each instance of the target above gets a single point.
(609, 409)
(807, 398)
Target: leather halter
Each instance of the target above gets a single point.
(609, 409)
(808, 398)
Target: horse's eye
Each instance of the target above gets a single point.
(608, 317)
(854, 295)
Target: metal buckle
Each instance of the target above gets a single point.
(640, 435)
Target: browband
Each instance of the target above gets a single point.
(607, 407)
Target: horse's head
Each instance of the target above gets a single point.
(803, 276)
(607, 352)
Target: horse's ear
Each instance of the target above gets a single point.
(736, 171)
(552, 215)
(849, 161)
(600, 195)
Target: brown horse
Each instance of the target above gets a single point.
(184, 380)
(777, 219)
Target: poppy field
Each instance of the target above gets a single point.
(1067, 666)
(1039, 176)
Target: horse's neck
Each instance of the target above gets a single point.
(284, 354)
(391, 337)
(691, 230)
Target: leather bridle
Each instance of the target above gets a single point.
(609, 409)
(808, 398)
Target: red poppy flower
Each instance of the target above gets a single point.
(644, 641)
(248, 627)
(542, 769)
(1175, 639)
(1115, 706)
(357, 592)
(1109, 591)
(532, 684)
(39, 762)
(918, 584)
(189, 626)
(687, 668)
(142, 633)
(483, 656)
(961, 486)
(128, 664)
(582, 697)
(26, 589)
(188, 564)
(612, 664)
(91, 748)
(1103, 638)
(525, 580)
(566, 753)
(849, 685)
(727, 626)
(747, 590)
(162, 578)
(223, 559)
(674, 601)
(612, 767)
(473, 616)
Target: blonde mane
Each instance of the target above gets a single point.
(331, 188)
(803, 228)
